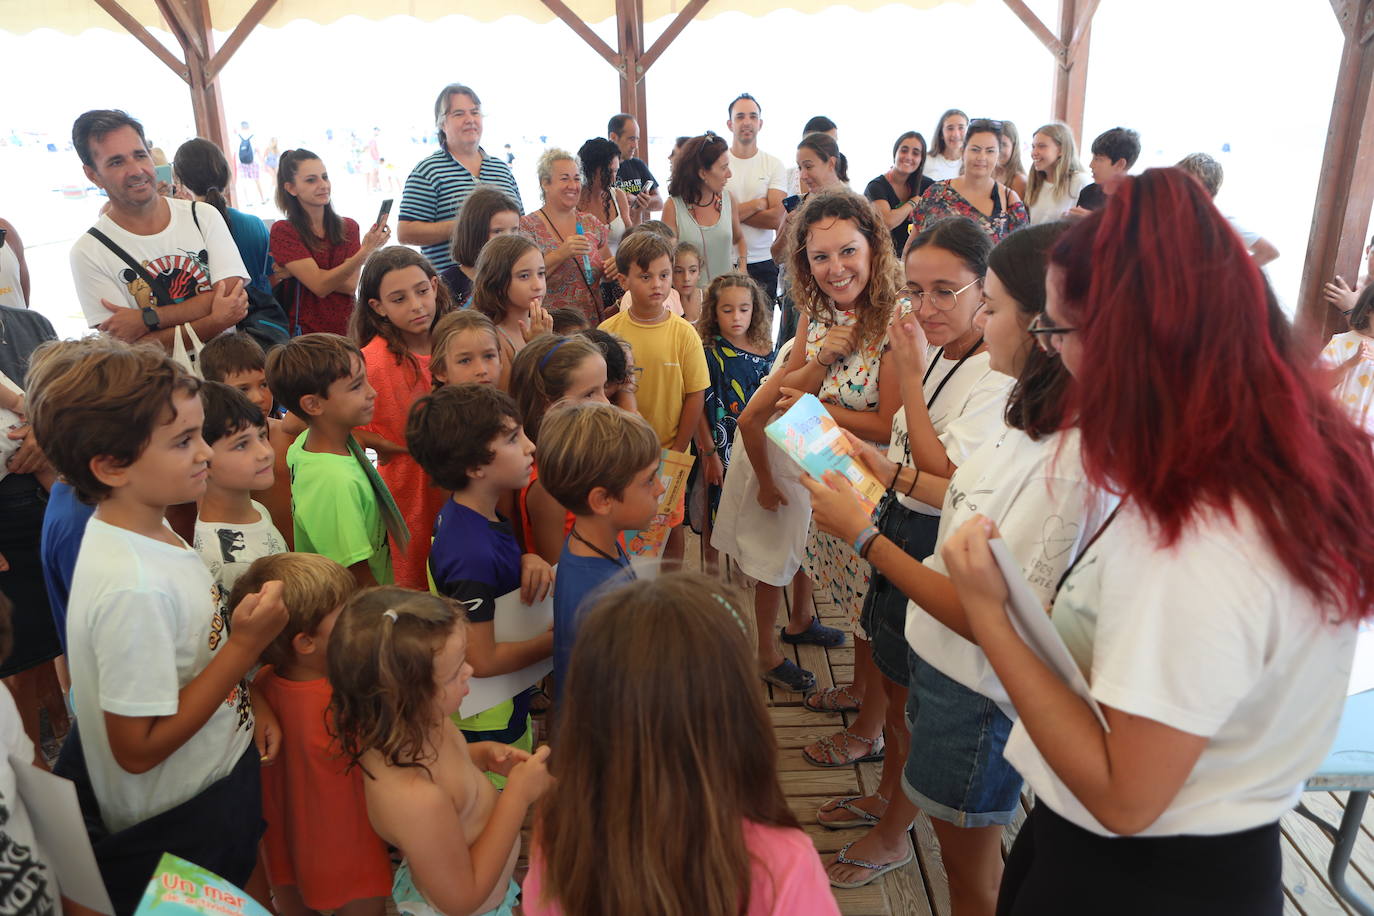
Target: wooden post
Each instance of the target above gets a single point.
(1345, 192)
(1071, 76)
(1070, 50)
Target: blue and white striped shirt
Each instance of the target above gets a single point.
(436, 188)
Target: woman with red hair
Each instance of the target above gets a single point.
(1214, 613)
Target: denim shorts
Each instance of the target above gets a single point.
(956, 770)
(883, 616)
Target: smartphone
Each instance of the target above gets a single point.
(383, 213)
(791, 203)
(164, 173)
(650, 189)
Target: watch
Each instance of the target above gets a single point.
(150, 318)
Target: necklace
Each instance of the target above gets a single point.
(620, 559)
(716, 201)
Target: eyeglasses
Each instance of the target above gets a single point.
(942, 299)
(1051, 338)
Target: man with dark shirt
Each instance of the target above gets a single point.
(634, 177)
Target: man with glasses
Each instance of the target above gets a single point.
(439, 183)
(634, 177)
(758, 183)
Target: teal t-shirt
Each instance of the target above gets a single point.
(334, 510)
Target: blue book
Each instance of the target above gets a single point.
(812, 438)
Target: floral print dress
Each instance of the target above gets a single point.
(941, 200)
(851, 383)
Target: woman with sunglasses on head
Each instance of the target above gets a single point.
(1213, 615)
(896, 192)
(977, 193)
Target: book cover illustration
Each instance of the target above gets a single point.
(812, 438)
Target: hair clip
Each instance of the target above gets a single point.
(389, 613)
(733, 613)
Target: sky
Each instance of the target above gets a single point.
(1219, 76)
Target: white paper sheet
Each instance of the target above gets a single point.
(514, 621)
(1034, 626)
(59, 829)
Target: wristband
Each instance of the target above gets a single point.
(863, 539)
(868, 545)
(913, 483)
(895, 474)
(824, 364)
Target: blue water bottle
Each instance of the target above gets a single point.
(586, 259)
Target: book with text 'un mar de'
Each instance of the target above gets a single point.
(812, 438)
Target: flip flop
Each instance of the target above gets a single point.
(827, 700)
(836, 756)
(877, 870)
(861, 817)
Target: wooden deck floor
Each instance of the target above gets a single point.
(920, 888)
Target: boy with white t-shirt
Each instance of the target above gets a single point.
(758, 183)
(176, 263)
(166, 727)
(232, 530)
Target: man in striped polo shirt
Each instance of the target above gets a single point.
(439, 183)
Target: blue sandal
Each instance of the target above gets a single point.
(816, 634)
(791, 676)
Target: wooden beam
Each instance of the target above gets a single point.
(1345, 190)
(145, 38)
(1038, 28)
(1071, 76)
(574, 22)
(686, 15)
(179, 23)
(1084, 13)
(629, 18)
(250, 21)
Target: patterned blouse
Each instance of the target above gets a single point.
(568, 285)
(941, 200)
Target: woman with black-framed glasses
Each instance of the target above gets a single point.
(976, 194)
(1047, 333)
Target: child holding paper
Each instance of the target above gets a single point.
(475, 558)
(672, 388)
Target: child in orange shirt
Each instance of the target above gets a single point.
(320, 850)
(400, 298)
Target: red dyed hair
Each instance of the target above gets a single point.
(1189, 397)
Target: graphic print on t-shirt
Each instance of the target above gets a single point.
(24, 888)
(184, 275)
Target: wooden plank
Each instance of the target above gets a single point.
(1324, 805)
(816, 781)
(236, 38)
(1038, 28)
(1315, 848)
(180, 24)
(1309, 890)
(800, 715)
(793, 737)
(1084, 16)
(145, 38)
(863, 901)
(1071, 76)
(932, 865)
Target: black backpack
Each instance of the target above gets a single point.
(246, 149)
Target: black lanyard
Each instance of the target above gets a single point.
(945, 381)
(1082, 553)
(620, 559)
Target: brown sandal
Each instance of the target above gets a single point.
(833, 755)
(828, 700)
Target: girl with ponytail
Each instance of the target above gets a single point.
(201, 173)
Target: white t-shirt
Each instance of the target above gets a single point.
(188, 261)
(938, 168)
(752, 178)
(28, 885)
(1247, 236)
(1050, 206)
(1212, 637)
(967, 413)
(1044, 509)
(11, 292)
(141, 624)
(228, 550)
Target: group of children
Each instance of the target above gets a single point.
(313, 649)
